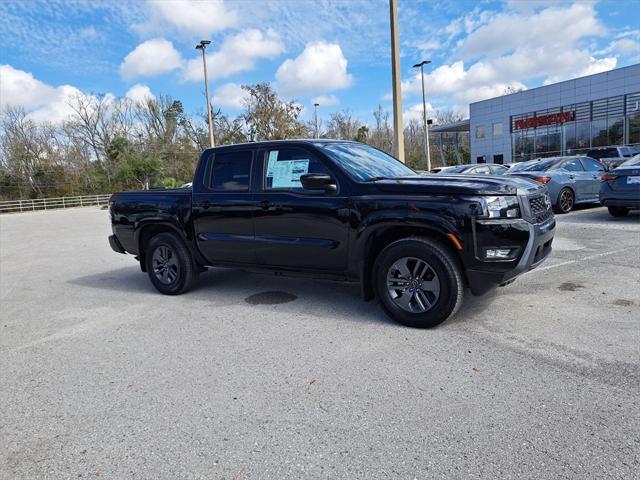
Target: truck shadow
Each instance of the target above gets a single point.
(223, 287)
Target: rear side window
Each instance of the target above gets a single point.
(591, 165)
(480, 171)
(603, 153)
(231, 171)
(572, 165)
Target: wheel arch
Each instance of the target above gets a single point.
(149, 230)
(384, 236)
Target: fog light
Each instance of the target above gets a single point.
(497, 253)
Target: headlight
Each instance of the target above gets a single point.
(501, 207)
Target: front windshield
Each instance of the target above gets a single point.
(632, 162)
(363, 162)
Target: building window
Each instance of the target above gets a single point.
(599, 137)
(616, 131)
(583, 135)
(542, 140)
(570, 143)
(480, 132)
(497, 129)
(634, 129)
(555, 140)
(499, 159)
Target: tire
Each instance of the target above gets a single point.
(438, 284)
(618, 211)
(168, 250)
(565, 202)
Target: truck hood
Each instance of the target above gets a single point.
(459, 185)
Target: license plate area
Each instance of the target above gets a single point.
(633, 179)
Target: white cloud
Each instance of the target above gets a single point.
(187, 17)
(320, 68)
(326, 100)
(140, 93)
(57, 108)
(153, 57)
(237, 53)
(415, 113)
(229, 95)
(20, 89)
(555, 27)
(509, 48)
(43, 102)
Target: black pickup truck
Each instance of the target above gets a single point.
(341, 210)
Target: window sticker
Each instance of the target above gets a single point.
(286, 174)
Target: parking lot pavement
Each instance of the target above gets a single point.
(104, 378)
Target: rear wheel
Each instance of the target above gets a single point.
(618, 211)
(170, 265)
(566, 201)
(418, 282)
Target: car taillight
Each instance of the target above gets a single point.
(606, 178)
(543, 179)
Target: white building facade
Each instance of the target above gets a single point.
(565, 118)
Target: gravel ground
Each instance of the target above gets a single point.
(104, 378)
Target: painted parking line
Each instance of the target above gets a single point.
(578, 260)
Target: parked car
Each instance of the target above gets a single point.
(473, 169)
(341, 210)
(570, 180)
(620, 188)
(611, 157)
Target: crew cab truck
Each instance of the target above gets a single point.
(341, 210)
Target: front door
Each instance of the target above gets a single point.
(294, 227)
(223, 209)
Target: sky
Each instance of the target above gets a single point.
(333, 52)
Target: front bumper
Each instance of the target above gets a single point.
(116, 246)
(483, 276)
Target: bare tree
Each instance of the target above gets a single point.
(267, 117)
(343, 126)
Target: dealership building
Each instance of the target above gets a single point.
(565, 118)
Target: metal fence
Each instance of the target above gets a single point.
(52, 203)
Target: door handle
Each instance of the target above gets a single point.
(205, 204)
(265, 204)
(572, 177)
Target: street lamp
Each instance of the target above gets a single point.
(424, 114)
(203, 46)
(315, 109)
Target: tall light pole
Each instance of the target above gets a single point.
(203, 46)
(427, 153)
(315, 109)
(398, 127)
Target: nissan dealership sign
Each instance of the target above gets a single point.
(552, 119)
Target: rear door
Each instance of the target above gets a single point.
(223, 208)
(295, 227)
(579, 178)
(596, 170)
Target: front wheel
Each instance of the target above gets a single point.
(170, 265)
(566, 201)
(618, 211)
(418, 282)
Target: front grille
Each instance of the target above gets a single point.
(540, 208)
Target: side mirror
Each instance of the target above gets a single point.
(318, 181)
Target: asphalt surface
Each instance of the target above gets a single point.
(101, 377)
